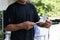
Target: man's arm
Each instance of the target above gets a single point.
(13, 27)
(25, 25)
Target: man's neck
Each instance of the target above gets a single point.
(21, 2)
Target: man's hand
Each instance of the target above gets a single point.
(47, 24)
(28, 25)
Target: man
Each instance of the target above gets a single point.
(20, 18)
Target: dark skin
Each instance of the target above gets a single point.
(26, 25)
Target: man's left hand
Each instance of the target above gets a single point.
(47, 24)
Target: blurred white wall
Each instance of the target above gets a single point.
(5, 3)
(11, 1)
(54, 32)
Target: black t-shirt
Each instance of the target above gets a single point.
(17, 13)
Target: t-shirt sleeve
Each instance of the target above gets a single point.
(8, 16)
(36, 17)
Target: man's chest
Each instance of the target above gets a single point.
(24, 14)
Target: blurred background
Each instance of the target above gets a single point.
(43, 6)
(0, 25)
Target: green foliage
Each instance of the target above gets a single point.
(0, 24)
(0, 34)
(46, 6)
(43, 7)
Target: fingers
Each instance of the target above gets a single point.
(28, 25)
(48, 23)
(31, 25)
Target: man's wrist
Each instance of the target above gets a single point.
(20, 26)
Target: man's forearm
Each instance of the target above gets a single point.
(25, 25)
(14, 27)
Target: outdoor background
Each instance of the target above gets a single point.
(0, 25)
(43, 6)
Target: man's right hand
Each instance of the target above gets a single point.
(27, 25)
